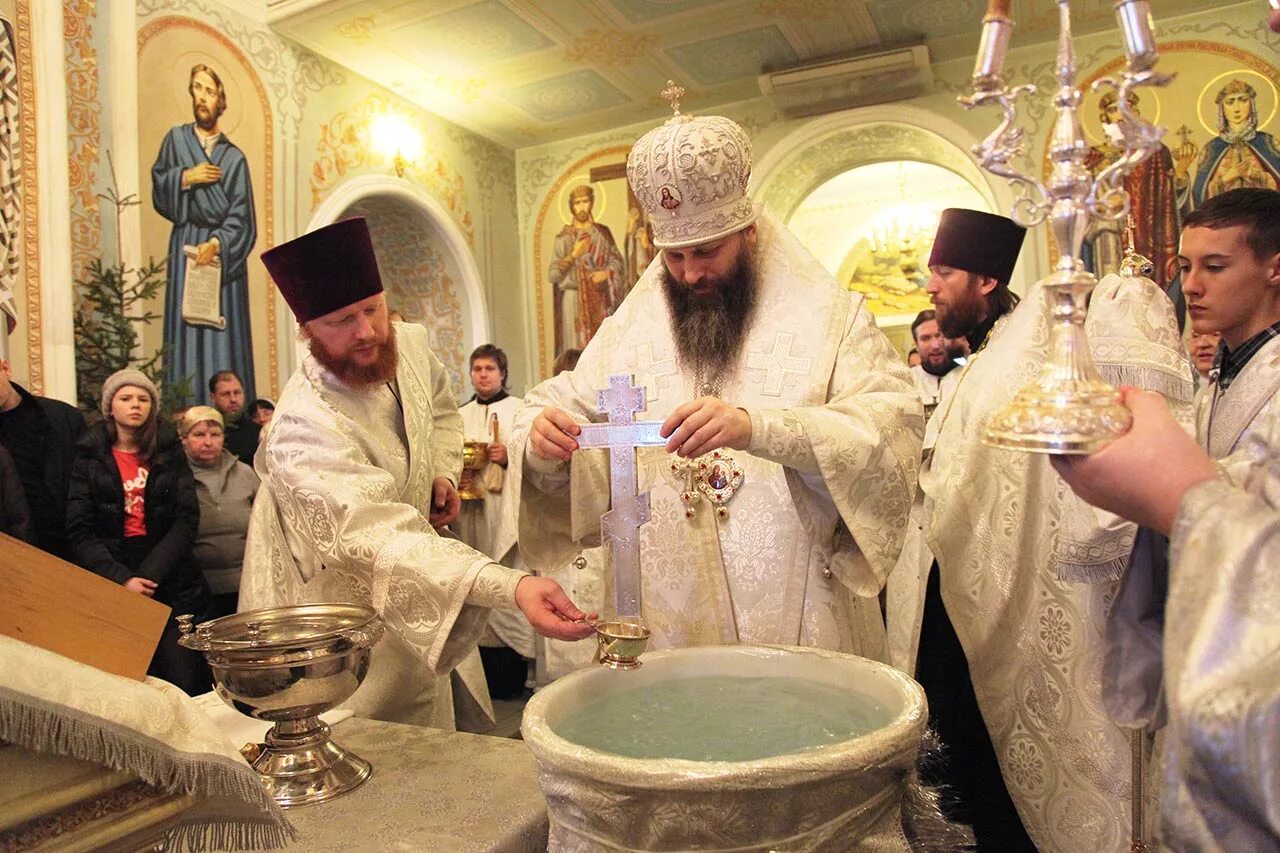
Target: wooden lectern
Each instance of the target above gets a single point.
(53, 604)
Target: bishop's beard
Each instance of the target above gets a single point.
(357, 375)
(709, 331)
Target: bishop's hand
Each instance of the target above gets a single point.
(550, 611)
(706, 424)
(552, 435)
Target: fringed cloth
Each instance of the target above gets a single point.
(151, 730)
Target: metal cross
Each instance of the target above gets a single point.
(620, 526)
(673, 93)
(778, 363)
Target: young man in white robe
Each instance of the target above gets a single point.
(507, 645)
(358, 470)
(1010, 616)
(758, 364)
(1169, 657)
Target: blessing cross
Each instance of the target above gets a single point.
(620, 526)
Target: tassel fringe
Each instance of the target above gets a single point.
(1149, 378)
(1093, 573)
(28, 722)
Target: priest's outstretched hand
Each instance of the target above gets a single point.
(550, 611)
(1143, 474)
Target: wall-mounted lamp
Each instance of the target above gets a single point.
(395, 138)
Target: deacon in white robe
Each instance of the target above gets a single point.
(798, 415)
(364, 446)
(482, 522)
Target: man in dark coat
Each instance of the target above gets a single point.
(40, 434)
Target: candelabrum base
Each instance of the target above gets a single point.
(1075, 417)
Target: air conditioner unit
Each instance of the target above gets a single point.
(873, 77)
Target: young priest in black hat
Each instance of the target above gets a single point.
(358, 470)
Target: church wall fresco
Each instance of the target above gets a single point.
(590, 245)
(178, 58)
(23, 278)
(1220, 115)
(296, 98)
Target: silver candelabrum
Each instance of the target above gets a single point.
(1068, 408)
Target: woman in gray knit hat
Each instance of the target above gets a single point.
(132, 516)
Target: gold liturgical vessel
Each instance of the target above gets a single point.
(1068, 408)
(474, 456)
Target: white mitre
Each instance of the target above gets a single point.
(690, 174)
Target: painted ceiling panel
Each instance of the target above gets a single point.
(467, 38)
(525, 72)
(733, 57)
(566, 96)
(637, 11)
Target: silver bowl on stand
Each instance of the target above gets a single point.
(288, 665)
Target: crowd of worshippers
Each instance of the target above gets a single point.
(801, 498)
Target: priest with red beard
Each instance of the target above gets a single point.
(358, 471)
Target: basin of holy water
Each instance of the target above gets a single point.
(730, 748)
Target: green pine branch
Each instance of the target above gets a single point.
(113, 305)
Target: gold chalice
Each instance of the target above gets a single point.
(475, 455)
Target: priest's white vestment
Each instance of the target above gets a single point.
(809, 537)
(1028, 571)
(342, 516)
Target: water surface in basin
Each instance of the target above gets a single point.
(721, 718)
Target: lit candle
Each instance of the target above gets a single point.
(1000, 9)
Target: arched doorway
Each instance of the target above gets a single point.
(863, 188)
(427, 267)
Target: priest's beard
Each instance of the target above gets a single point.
(939, 369)
(960, 318)
(357, 375)
(709, 330)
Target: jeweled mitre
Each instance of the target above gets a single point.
(691, 176)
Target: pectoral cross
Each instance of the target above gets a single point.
(620, 526)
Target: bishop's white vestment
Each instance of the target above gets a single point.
(1028, 571)
(829, 475)
(342, 516)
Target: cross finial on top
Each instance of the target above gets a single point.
(673, 93)
(1128, 234)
